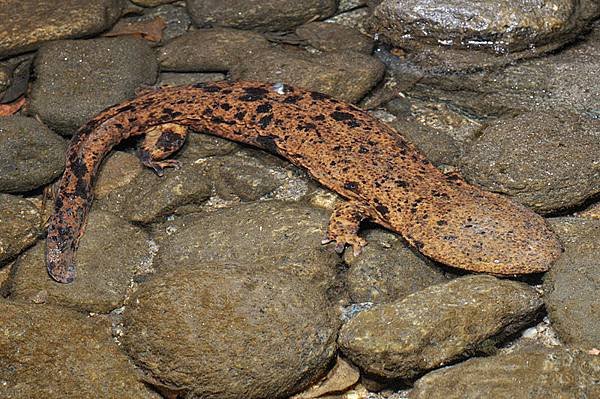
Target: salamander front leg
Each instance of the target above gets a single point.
(160, 142)
(344, 225)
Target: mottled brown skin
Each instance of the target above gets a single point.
(384, 178)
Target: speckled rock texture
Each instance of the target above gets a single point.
(103, 272)
(462, 35)
(78, 79)
(387, 270)
(20, 225)
(218, 49)
(220, 330)
(53, 353)
(254, 234)
(572, 285)
(437, 325)
(31, 155)
(553, 167)
(28, 23)
(532, 373)
(151, 3)
(268, 15)
(326, 36)
(561, 81)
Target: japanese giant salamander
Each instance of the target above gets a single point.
(384, 178)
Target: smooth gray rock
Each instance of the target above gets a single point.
(327, 36)
(437, 325)
(79, 78)
(31, 155)
(221, 330)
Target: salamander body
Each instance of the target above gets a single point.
(384, 178)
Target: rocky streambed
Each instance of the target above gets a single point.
(211, 281)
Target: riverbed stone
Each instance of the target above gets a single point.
(223, 330)
(547, 161)
(110, 253)
(571, 286)
(437, 326)
(30, 23)
(31, 155)
(266, 15)
(346, 75)
(462, 35)
(49, 352)
(77, 79)
(217, 49)
(280, 235)
(534, 372)
(326, 36)
(387, 270)
(20, 225)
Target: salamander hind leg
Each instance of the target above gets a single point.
(344, 225)
(159, 142)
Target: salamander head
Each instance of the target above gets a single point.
(485, 232)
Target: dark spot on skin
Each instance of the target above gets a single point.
(78, 167)
(419, 245)
(363, 149)
(319, 117)
(265, 121)
(254, 94)
(400, 183)
(291, 99)
(210, 89)
(306, 126)
(169, 140)
(240, 115)
(225, 106)
(382, 209)
(341, 116)
(351, 185)
(268, 142)
(441, 223)
(264, 108)
(119, 125)
(128, 107)
(315, 95)
(353, 123)
(337, 148)
(218, 120)
(82, 189)
(207, 111)
(171, 113)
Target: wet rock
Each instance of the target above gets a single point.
(20, 225)
(47, 352)
(31, 155)
(77, 79)
(387, 270)
(176, 18)
(5, 73)
(110, 252)
(437, 325)
(181, 78)
(15, 74)
(572, 285)
(462, 35)
(219, 330)
(354, 19)
(271, 15)
(218, 49)
(248, 175)
(118, 170)
(347, 5)
(547, 161)
(274, 235)
(33, 22)
(531, 373)
(569, 79)
(345, 75)
(151, 3)
(327, 36)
